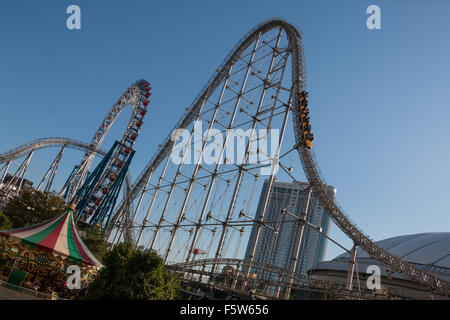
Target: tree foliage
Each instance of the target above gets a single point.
(5, 223)
(93, 236)
(31, 207)
(133, 274)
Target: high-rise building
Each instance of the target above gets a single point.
(276, 241)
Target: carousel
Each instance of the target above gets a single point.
(37, 257)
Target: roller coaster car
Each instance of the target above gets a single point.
(303, 95)
(308, 143)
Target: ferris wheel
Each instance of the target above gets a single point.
(97, 193)
(95, 196)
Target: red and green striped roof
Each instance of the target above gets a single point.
(58, 236)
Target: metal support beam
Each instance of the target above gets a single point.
(265, 202)
(177, 174)
(196, 169)
(55, 168)
(6, 167)
(298, 241)
(247, 150)
(218, 165)
(18, 177)
(123, 219)
(51, 170)
(351, 268)
(155, 193)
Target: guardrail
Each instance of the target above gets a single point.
(27, 291)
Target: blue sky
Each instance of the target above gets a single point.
(379, 98)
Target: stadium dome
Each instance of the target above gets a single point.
(428, 251)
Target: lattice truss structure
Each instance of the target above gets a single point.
(206, 210)
(208, 206)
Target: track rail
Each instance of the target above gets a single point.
(309, 164)
(43, 143)
(279, 278)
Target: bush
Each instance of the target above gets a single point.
(133, 274)
(5, 223)
(31, 207)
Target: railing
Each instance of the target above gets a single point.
(29, 292)
(271, 288)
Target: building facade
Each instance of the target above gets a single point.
(276, 242)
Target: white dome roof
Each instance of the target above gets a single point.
(429, 251)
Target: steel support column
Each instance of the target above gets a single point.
(196, 169)
(241, 171)
(172, 186)
(351, 268)
(298, 242)
(218, 165)
(155, 193)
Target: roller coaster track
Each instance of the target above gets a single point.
(51, 142)
(308, 162)
(43, 143)
(279, 278)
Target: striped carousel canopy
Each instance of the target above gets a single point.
(58, 236)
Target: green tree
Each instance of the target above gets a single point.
(93, 236)
(133, 274)
(31, 207)
(5, 223)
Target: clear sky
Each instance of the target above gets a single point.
(379, 99)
